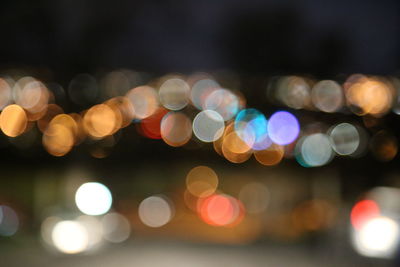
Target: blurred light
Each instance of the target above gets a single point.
(235, 149)
(201, 90)
(176, 129)
(144, 100)
(100, 121)
(5, 93)
(345, 138)
(327, 96)
(316, 150)
(294, 92)
(9, 221)
(58, 139)
(270, 156)
(255, 197)
(116, 227)
(174, 94)
(384, 146)
(70, 237)
(155, 211)
(93, 228)
(251, 127)
(52, 111)
(47, 227)
(201, 181)
(224, 102)
(283, 128)
(151, 126)
(221, 210)
(34, 98)
(208, 126)
(123, 108)
(13, 120)
(378, 237)
(93, 198)
(369, 96)
(363, 211)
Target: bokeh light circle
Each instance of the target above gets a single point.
(201, 181)
(70, 237)
(316, 150)
(93, 198)
(283, 128)
(155, 211)
(345, 138)
(174, 94)
(208, 126)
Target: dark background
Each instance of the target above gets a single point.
(322, 38)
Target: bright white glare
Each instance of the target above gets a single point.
(208, 125)
(377, 238)
(70, 237)
(93, 198)
(155, 211)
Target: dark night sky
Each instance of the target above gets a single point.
(318, 37)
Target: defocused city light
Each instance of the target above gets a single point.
(93, 198)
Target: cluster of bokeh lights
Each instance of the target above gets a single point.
(178, 109)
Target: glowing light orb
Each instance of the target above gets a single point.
(221, 210)
(251, 127)
(378, 237)
(224, 102)
(93, 198)
(345, 139)
(316, 150)
(208, 126)
(174, 94)
(362, 212)
(155, 211)
(201, 181)
(283, 128)
(70, 237)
